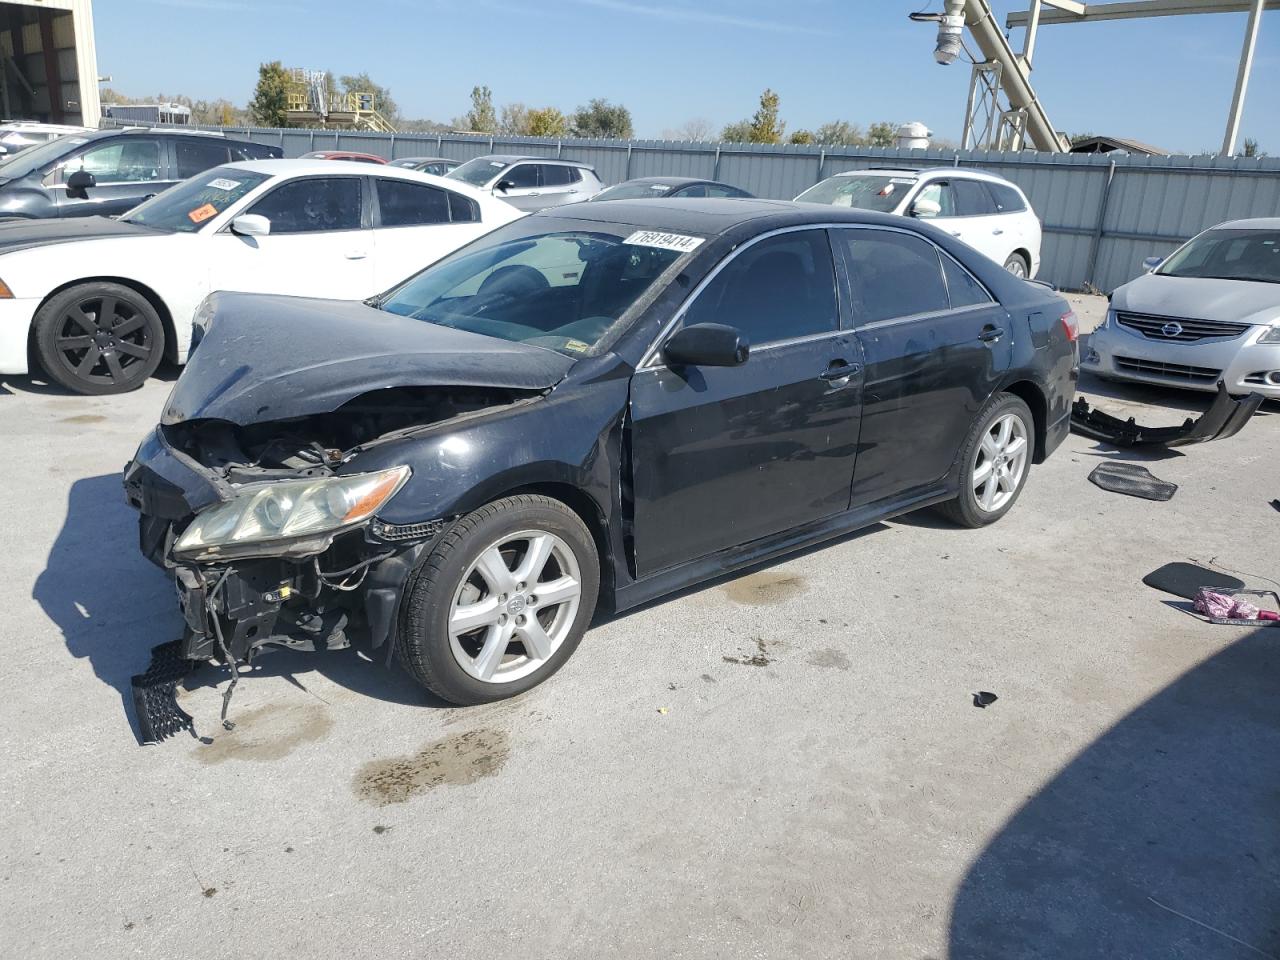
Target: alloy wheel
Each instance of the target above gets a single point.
(1000, 462)
(515, 606)
(1016, 267)
(103, 340)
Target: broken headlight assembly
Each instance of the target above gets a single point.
(287, 517)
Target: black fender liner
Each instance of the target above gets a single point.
(1225, 417)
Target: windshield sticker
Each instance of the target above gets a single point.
(577, 346)
(77, 140)
(222, 183)
(664, 241)
(201, 214)
(888, 190)
(496, 163)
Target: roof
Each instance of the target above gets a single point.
(520, 158)
(971, 172)
(714, 216)
(302, 167)
(669, 181)
(422, 160)
(1253, 223)
(1110, 144)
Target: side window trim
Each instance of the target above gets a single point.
(991, 300)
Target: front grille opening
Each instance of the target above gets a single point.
(1169, 371)
(1179, 329)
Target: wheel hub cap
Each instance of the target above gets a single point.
(516, 605)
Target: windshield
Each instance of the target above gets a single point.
(192, 203)
(41, 155)
(479, 171)
(882, 193)
(1227, 255)
(634, 191)
(563, 290)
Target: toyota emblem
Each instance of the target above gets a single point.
(1171, 329)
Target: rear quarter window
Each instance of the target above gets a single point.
(1007, 199)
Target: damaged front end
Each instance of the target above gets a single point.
(271, 533)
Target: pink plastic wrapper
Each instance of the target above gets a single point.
(1227, 608)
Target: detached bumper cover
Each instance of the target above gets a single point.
(1225, 418)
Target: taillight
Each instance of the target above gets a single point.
(1071, 325)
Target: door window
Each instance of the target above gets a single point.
(556, 176)
(697, 190)
(892, 275)
(405, 204)
(195, 156)
(131, 160)
(715, 191)
(962, 288)
(312, 204)
(972, 199)
(939, 193)
(463, 209)
(778, 289)
(522, 175)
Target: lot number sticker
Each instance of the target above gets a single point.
(222, 183)
(664, 241)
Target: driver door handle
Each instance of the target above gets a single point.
(990, 333)
(839, 371)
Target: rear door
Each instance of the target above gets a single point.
(416, 224)
(935, 345)
(128, 169)
(725, 455)
(320, 243)
(195, 156)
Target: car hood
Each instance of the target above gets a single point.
(23, 234)
(273, 358)
(1200, 298)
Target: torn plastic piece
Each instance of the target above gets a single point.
(1225, 417)
(1131, 480)
(982, 698)
(154, 702)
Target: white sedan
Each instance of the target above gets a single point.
(98, 303)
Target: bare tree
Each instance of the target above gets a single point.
(698, 129)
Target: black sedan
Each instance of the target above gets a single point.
(591, 407)
(649, 188)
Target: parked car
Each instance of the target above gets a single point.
(17, 135)
(436, 166)
(582, 409)
(100, 302)
(1209, 313)
(987, 212)
(530, 183)
(111, 171)
(343, 155)
(643, 188)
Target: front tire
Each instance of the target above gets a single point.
(501, 602)
(98, 338)
(994, 463)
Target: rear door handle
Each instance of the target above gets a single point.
(840, 371)
(997, 231)
(356, 254)
(990, 333)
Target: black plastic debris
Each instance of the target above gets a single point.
(1185, 579)
(154, 700)
(1225, 417)
(983, 698)
(1132, 480)
(1276, 504)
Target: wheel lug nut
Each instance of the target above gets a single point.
(520, 619)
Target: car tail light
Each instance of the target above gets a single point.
(1071, 325)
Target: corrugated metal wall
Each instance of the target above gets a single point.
(1102, 215)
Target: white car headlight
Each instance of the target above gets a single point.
(1271, 336)
(285, 510)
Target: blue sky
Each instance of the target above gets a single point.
(1167, 81)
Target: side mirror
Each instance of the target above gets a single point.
(251, 225)
(1151, 263)
(78, 184)
(925, 209)
(706, 345)
(505, 185)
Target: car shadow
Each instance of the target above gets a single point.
(112, 606)
(1160, 839)
(37, 385)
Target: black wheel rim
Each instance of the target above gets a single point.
(104, 340)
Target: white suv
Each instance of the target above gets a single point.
(987, 212)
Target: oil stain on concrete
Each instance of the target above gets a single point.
(760, 658)
(455, 760)
(830, 658)
(267, 733)
(84, 418)
(765, 588)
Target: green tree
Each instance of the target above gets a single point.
(1251, 148)
(481, 118)
(882, 134)
(600, 118)
(382, 100)
(514, 120)
(548, 122)
(270, 96)
(801, 137)
(765, 125)
(739, 132)
(840, 133)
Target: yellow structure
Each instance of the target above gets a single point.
(312, 102)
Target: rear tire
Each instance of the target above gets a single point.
(994, 463)
(501, 602)
(1018, 266)
(98, 338)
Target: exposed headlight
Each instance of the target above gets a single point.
(1271, 336)
(288, 510)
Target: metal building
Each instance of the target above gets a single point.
(48, 63)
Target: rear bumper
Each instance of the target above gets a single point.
(15, 331)
(1242, 363)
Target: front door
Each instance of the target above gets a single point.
(525, 186)
(935, 345)
(725, 455)
(320, 243)
(127, 170)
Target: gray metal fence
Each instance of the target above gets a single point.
(1102, 215)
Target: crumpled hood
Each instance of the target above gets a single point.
(1200, 298)
(272, 358)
